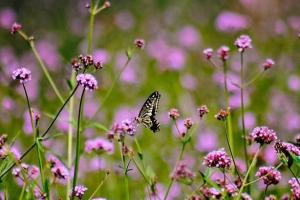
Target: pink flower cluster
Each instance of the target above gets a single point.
(268, 63)
(15, 28)
(79, 191)
(139, 43)
(22, 74)
(223, 53)
(203, 110)
(270, 175)
(128, 127)
(295, 188)
(87, 81)
(25, 171)
(211, 193)
(59, 171)
(286, 148)
(174, 113)
(208, 53)
(243, 43)
(183, 173)
(263, 135)
(99, 145)
(219, 159)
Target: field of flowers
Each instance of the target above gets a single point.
(156, 100)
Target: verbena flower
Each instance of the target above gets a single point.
(223, 53)
(183, 173)
(87, 81)
(79, 191)
(243, 43)
(268, 63)
(286, 148)
(211, 193)
(22, 74)
(59, 172)
(270, 175)
(208, 53)
(295, 188)
(263, 135)
(128, 127)
(219, 159)
(231, 189)
(222, 115)
(188, 123)
(174, 114)
(38, 194)
(203, 110)
(99, 145)
(246, 196)
(139, 43)
(15, 28)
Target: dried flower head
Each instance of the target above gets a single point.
(107, 4)
(263, 135)
(139, 43)
(203, 110)
(174, 114)
(223, 53)
(219, 159)
(98, 65)
(188, 123)
(87, 81)
(183, 174)
(295, 188)
(76, 65)
(208, 53)
(79, 191)
(268, 63)
(286, 148)
(270, 175)
(15, 28)
(222, 115)
(243, 43)
(3, 139)
(22, 74)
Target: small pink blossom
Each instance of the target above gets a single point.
(87, 81)
(22, 74)
(270, 175)
(268, 63)
(208, 53)
(174, 113)
(243, 43)
(15, 28)
(263, 135)
(219, 159)
(223, 53)
(139, 43)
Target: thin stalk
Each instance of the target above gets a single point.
(29, 109)
(229, 118)
(41, 63)
(41, 167)
(256, 77)
(99, 186)
(258, 179)
(172, 180)
(140, 170)
(114, 82)
(294, 175)
(91, 28)
(77, 155)
(266, 190)
(21, 197)
(229, 147)
(126, 185)
(243, 110)
(70, 138)
(248, 172)
(43, 135)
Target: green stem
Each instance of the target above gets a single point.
(42, 65)
(43, 135)
(229, 147)
(77, 155)
(91, 28)
(70, 137)
(229, 118)
(243, 110)
(29, 109)
(21, 197)
(294, 175)
(126, 185)
(172, 180)
(99, 186)
(266, 190)
(256, 77)
(248, 172)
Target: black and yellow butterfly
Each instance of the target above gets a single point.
(148, 112)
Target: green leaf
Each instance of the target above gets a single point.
(296, 159)
(39, 145)
(71, 86)
(150, 173)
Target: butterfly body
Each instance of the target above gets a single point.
(147, 114)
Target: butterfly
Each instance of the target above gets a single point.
(148, 112)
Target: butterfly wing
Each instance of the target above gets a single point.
(148, 112)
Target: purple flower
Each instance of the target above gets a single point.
(206, 141)
(263, 135)
(38, 194)
(203, 110)
(219, 159)
(231, 189)
(268, 63)
(295, 188)
(222, 115)
(243, 43)
(223, 53)
(208, 53)
(79, 191)
(188, 36)
(128, 127)
(139, 43)
(211, 193)
(7, 18)
(230, 22)
(87, 81)
(173, 113)
(188, 123)
(270, 175)
(22, 74)
(15, 28)
(286, 148)
(246, 196)
(183, 173)
(99, 145)
(294, 83)
(59, 172)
